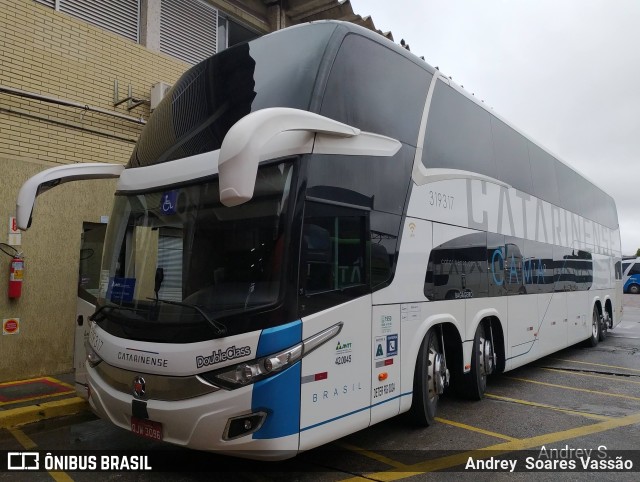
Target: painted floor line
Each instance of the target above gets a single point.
(59, 382)
(43, 411)
(569, 411)
(596, 364)
(29, 444)
(475, 429)
(38, 397)
(500, 449)
(18, 383)
(372, 455)
(22, 438)
(593, 375)
(564, 387)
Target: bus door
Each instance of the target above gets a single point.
(334, 288)
(572, 278)
(539, 275)
(91, 246)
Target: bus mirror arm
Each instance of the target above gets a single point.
(49, 178)
(279, 131)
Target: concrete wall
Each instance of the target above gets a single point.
(52, 53)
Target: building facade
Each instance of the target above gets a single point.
(77, 83)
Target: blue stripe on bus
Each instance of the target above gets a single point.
(354, 412)
(279, 395)
(278, 338)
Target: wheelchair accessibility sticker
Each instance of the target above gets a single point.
(168, 202)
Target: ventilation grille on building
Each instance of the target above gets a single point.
(48, 3)
(188, 29)
(117, 16)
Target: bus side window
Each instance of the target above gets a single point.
(333, 260)
(316, 258)
(635, 269)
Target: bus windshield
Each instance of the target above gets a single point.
(177, 257)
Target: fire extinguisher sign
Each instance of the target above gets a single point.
(15, 235)
(11, 326)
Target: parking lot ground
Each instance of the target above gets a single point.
(579, 398)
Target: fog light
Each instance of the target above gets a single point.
(243, 425)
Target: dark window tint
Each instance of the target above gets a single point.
(611, 214)
(376, 89)
(384, 181)
(537, 267)
(457, 269)
(277, 70)
(580, 196)
(511, 155)
(496, 264)
(573, 269)
(543, 173)
(625, 266)
(514, 281)
(333, 260)
(571, 189)
(583, 267)
(384, 244)
(458, 133)
(635, 269)
(618, 270)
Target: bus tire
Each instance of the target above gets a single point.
(429, 380)
(604, 326)
(595, 328)
(482, 364)
(634, 289)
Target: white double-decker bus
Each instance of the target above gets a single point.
(317, 231)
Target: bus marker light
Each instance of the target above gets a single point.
(467, 367)
(382, 376)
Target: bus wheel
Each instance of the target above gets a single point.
(595, 328)
(430, 379)
(483, 363)
(634, 289)
(604, 326)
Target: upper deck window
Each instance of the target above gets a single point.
(458, 134)
(375, 89)
(277, 70)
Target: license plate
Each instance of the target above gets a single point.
(146, 428)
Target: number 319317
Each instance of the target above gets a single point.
(440, 200)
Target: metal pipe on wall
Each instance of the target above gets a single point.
(69, 103)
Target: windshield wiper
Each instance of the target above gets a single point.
(97, 315)
(218, 327)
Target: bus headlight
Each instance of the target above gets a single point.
(245, 373)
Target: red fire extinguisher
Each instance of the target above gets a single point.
(16, 268)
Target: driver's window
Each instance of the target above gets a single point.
(333, 264)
